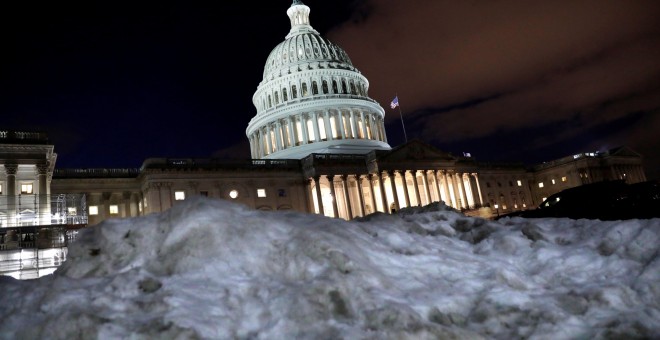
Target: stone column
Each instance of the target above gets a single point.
(328, 128)
(278, 135)
(344, 185)
(44, 208)
(437, 184)
(405, 187)
(335, 209)
(292, 135)
(417, 195)
(456, 192)
(447, 193)
(383, 195)
(463, 192)
(358, 180)
(364, 125)
(373, 192)
(427, 186)
(303, 125)
(11, 170)
(476, 179)
(356, 134)
(319, 197)
(340, 118)
(269, 140)
(317, 134)
(395, 196)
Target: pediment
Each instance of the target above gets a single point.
(416, 150)
(624, 151)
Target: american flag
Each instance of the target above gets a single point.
(395, 102)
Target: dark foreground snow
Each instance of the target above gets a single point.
(215, 270)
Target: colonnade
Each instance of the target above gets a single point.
(349, 196)
(314, 127)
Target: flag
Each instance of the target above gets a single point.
(395, 102)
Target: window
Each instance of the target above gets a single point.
(315, 88)
(179, 195)
(564, 179)
(72, 211)
(540, 184)
(261, 192)
(304, 89)
(93, 210)
(26, 188)
(204, 193)
(510, 183)
(294, 92)
(233, 194)
(114, 209)
(284, 96)
(281, 193)
(519, 183)
(325, 87)
(553, 181)
(140, 206)
(0, 189)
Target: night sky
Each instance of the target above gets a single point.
(114, 83)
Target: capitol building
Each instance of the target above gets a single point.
(318, 144)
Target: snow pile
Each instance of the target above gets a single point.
(212, 269)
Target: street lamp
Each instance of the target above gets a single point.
(497, 209)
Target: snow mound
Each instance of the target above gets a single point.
(212, 269)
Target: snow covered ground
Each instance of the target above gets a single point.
(215, 270)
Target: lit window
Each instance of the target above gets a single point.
(553, 181)
(140, 206)
(519, 183)
(540, 184)
(93, 210)
(234, 193)
(261, 192)
(543, 199)
(0, 189)
(26, 188)
(72, 211)
(114, 209)
(179, 195)
(563, 179)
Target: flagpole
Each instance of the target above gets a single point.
(401, 115)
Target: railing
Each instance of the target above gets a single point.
(96, 173)
(219, 164)
(22, 136)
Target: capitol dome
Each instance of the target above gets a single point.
(312, 99)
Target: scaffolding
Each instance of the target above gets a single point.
(34, 210)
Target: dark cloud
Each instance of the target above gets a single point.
(569, 76)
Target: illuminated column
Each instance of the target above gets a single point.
(269, 140)
(395, 196)
(358, 180)
(456, 190)
(461, 185)
(278, 135)
(417, 196)
(44, 209)
(340, 119)
(364, 125)
(292, 134)
(356, 134)
(335, 209)
(381, 127)
(437, 184)
(328, 128)
(383, 196)
(319, 198)
(476, 180)
(405, 187)
(10, 170)
(303, 127)
(427, 186)
(373, 192)
(262, 143)
(347, 198)
(317, 135)
(445, 180)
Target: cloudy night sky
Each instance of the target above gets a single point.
(114, 83)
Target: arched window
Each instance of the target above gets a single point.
(277, 98)
(353, 91)
(344, 88)
(284, 96)
(304, 90)
(270, 103)
(325, 87)
(334, 86)
(315, 88)
(294, 92)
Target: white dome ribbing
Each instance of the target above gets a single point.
(312, 99)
